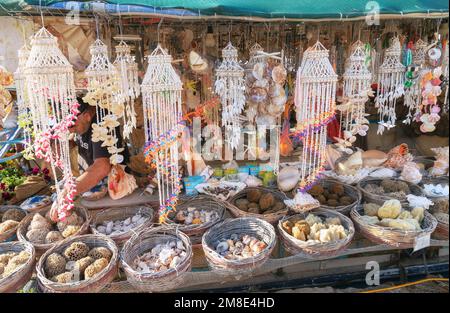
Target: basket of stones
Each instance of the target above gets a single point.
(10, 217)
(378, 191)
(39, 229)
(334, 195)
(259, 202)
(17, 261)
(121, 223)
(156, 259)
(79, 264)
(393, 224)
(196, 215)
(237, 247)
(319, 233)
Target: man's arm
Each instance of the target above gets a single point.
(93, 175)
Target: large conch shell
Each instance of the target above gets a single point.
(258, 95)
(373, 158)
(120, 184)
(258, 70)
(398, 156)
(279, 74)
(351, 165)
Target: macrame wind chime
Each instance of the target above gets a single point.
(415, 62)
(230, 87)
(161, 98)
(129, 86)
(24, 117)
(51, 95)
(390, 86)
(357, 78)
(105, 94)
(315, 94)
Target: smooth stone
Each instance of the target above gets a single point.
(136, 218)
(101, 229)
(127, 221)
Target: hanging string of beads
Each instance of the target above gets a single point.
(51, 95)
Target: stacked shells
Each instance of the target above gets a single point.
(42, 230)
(77, 262)
(240, 247)
(194, 216)
(160, 258)
(112, 228)
(10, 262)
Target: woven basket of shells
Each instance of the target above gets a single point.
(120, 224)
(196, 215)
(320, 233)
(237, 247)
(334, 195)
(17, 261)
(80, 264)
(156, 259)
(10, 217)
(399, 232)
(259, 202)
(378, 191)
(39, 230)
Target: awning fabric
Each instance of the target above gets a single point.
(289, 9)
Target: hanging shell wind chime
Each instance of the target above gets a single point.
(51, 95)
(161, 98)
(415, 70)
(315, 94)
(356, 91)
(24, 117)
(129, 86)
(390, 86)
(230, 87)
(105, 94)
(445, 71)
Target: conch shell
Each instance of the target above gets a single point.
(120, 184)
(279, 74)
(258, 95)
(258, 71)
(398, 156)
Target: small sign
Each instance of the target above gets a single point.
(421, 242)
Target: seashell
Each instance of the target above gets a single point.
(258, 71)
(101, 229)
(252, 181)
(180, 245)
(427, 128)
(127, 221)
(196, 214)
(175, 261)
(246, 239)
(411, 173)
(141, 221)
(258, 95)
(188, 220)
(157, 249)
(373, 158)
(191, 209)
(109, 227)
(222, 247)
(263, 83)
(234, 237)
(172, 244)
(279, 74)
(135, 218)
(288, 178)
(276, 90)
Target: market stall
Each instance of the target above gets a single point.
(150, 146)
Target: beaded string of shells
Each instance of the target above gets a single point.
(390, 86)
(161, 98)
(445, 69)
(230, 87)
(252, 106)
(413, 94)
(105, 94)
(51, 95)
(129, 86)
(315, 94)
(356, 90)
(24, 117)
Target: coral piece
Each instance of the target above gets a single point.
(55, 264)
(76, 251)
(52, 237)
(14, 215)
(95, 268)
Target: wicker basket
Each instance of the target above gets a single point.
(115, 214)
(22, 275)
(41, 248)
(10, 235)
(258, 228)
(349, 191)
(442, 180)
(202, 202)
(272, 218)
(441, 231)
(329, 249)
(380, 199)
(94, 284)
(145, 241)
(391, 236)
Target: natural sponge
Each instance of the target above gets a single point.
(390, 209)
(55, 264)
(95, 268)
(76, 251)
(14, 215)
(100, 252)
(53, 236)
(64, 278)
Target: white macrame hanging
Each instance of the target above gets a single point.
(24, 117)
(315, 95)
(105, 94)
(390, 86)
(413, 94)
(356, 88)
(161, 98)
(52, 102)
(230, 87)
(129, 84)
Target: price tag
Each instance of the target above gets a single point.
(421, 242)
